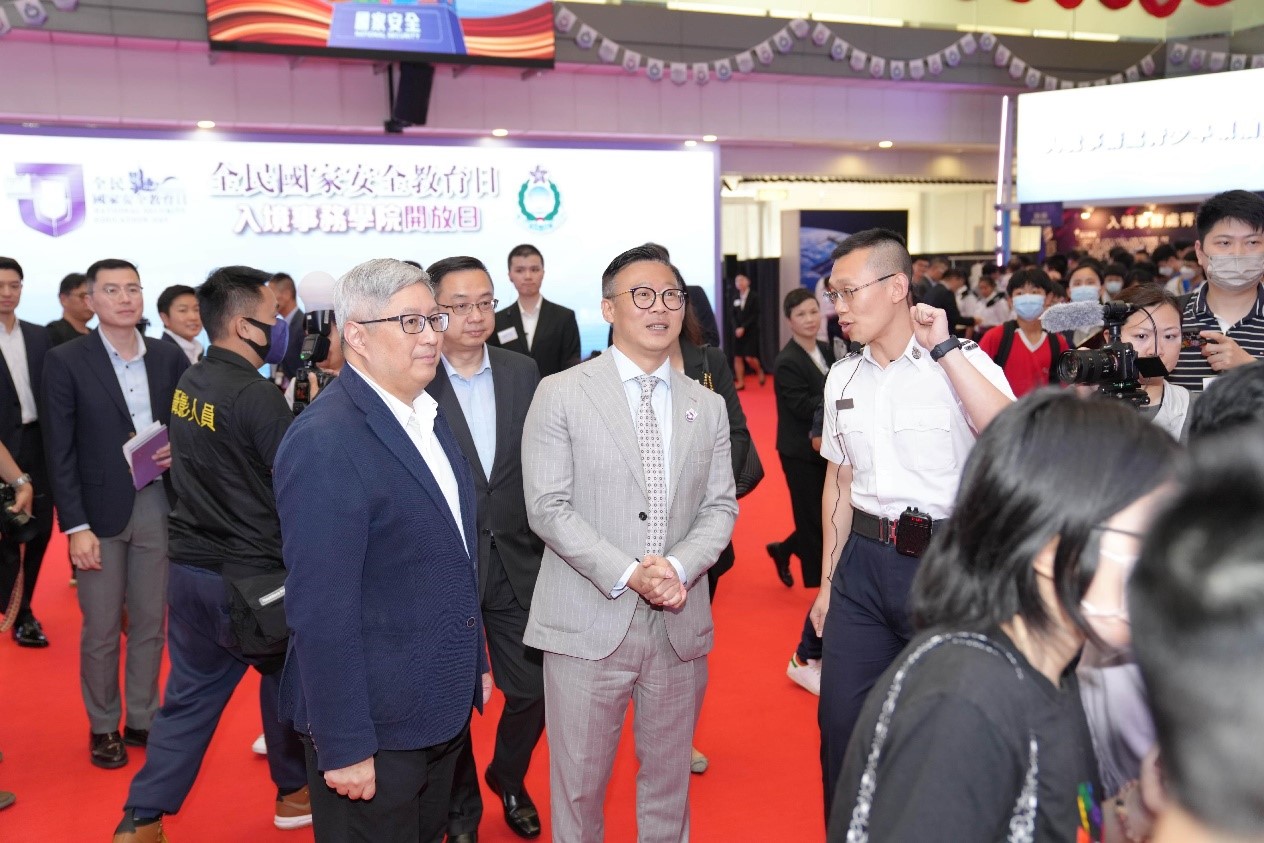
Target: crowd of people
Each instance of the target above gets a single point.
(980, 539)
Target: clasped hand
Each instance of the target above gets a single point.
(656, 580)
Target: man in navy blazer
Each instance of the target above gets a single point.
(99, 390)
(379, 538)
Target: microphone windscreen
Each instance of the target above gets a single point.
(1074, 316)
(317, 291)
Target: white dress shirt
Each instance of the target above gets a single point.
(902, 429)
(13, 346)
(192, 348)
(418, 419)
(530, 318)
(660, 401)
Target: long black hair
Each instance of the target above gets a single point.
(1054, 465)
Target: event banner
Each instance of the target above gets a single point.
(178, 206)
(1133, 228)
(500, 31)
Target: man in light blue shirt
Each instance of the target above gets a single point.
(484, 393)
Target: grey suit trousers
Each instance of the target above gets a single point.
(133, 574)
(586, 703)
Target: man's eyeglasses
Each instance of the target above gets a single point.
(464, 308)
(412, 323)
(848, 293)
(116, 291)
(644, 297)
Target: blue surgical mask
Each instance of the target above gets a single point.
(1113, 287)
(1086, 293)
(1029, 305)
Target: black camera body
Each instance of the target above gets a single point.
(317, 326)
(16, 525)
(1115, 369)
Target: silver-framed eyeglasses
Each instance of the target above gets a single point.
(117, 291)
(464, 308)
(412, 323)
(644, 297)
(848, 293)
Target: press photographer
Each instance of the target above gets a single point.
(320, 358)
(1116, 369)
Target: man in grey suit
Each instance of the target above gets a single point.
(628, 480)
(484, 394)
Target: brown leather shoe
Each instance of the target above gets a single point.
(294, 810)
(129, 831)
(107, 750)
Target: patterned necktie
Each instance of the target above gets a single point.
(650, 444)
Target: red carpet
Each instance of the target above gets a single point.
(758, 729)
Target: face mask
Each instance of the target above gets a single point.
(1085, 293)
(1113, 287)
(1187, 272)
(278, 338)
(1029, 305)
(1234, 272)
(1165, 271)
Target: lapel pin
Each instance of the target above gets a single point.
(690, 415)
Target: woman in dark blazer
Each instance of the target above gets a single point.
(745, 333)
(799, 382)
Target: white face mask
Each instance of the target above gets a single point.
(1113, 287)
(1235, 272)
(1165, 271)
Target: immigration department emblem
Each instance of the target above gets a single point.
(50, 197)
(539, 201)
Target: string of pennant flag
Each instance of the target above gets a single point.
(879, 67)
(31, 13)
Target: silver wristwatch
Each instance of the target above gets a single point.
(21, 481)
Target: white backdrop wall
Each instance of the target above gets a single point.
(178, 206)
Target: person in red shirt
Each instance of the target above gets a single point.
(1021, 347)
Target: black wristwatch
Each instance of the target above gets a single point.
(937, 353)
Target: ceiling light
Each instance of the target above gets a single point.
(885, 144)
(206, 124)
(499, 133)
(710, 138)
(1086, 213)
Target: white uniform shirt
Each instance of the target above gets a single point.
(13, 344)
(904, 433)
(530, 318)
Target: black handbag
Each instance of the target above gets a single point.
(751, 470)
(256, 607)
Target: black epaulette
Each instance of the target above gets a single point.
(969, 345)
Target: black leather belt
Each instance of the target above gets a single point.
(882, 530)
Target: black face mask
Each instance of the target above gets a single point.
(260, 349)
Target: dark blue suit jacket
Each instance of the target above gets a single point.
(386, 638)
(85, 423)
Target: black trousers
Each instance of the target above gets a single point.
(806, 480)
(413, 787)
(30, 458)
(519, 673)
(866, 628)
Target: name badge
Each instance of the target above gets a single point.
(508, 335)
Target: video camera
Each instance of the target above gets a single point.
(317, 326)
(1115, 369)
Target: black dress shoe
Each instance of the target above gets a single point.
(108, 751)
(520, 813)
(135, 737)
(781, 558)
(464, 837)
(29, 633)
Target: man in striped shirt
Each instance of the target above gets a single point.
(1227, 311)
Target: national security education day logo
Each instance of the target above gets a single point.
(540, 202)
(50, 197)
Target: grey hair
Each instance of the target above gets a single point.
(365, 289)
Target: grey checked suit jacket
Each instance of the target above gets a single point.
(585, 492)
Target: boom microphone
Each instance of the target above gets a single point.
(1074, 316)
